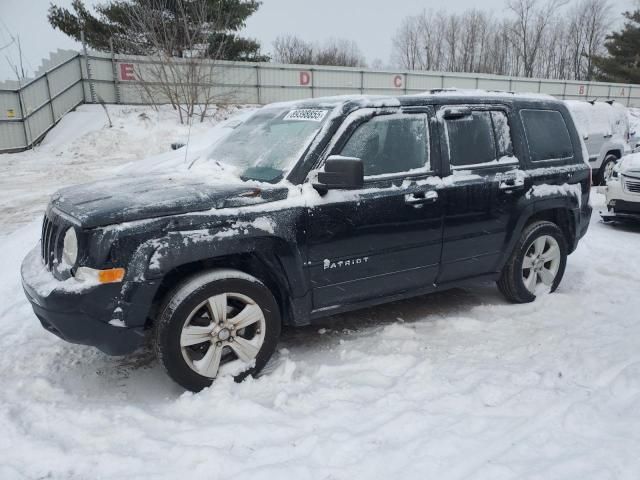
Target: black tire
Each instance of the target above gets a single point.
(186, 297)
(511, 282)
(609, 159)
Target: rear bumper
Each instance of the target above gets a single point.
(96, 315)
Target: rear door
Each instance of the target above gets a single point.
(385, 238)
(481, 194)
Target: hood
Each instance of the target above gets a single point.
(630, 165)
(124, 199)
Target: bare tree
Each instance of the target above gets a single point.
(291, 49)
(178, 71)
(337, 52)
(529, 27)
(598, 23)
(407, 43)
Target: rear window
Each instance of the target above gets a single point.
(547, 135)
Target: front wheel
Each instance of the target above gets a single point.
(606, 170)
(536, 265)
(221, 322)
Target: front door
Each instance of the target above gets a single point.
(386, 238)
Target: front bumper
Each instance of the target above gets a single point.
(621, 204)
(81, 314)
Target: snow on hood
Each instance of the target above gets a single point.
(125, 199)
(630, 164)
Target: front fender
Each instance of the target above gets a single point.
(274, 243)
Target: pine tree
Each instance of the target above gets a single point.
(112, 23)
(623, 62)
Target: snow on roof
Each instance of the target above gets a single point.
(397, 100)
(455, 92)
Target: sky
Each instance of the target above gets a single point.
(371, 23)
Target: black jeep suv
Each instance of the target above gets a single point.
(308, 209)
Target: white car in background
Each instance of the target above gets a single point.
(604, 126)
(634, 126)
(623, 190)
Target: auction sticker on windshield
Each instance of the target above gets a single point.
(306, 114)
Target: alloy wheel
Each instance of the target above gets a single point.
(224, 331)
(608, 170)
(541, 263)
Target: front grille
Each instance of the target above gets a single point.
(631, 185)
(50, 241)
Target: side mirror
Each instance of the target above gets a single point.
(341, 173)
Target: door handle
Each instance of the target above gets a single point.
(509, 186)
(608, 135)
(419, 199)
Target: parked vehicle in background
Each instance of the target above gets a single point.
(308, 209)
(605, 129)
(634, 127)
(623, 190)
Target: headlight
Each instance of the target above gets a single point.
(70, 247)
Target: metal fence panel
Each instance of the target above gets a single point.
(38, 123)
(285, 77)
(12, 136)
(65, 75)
(34, 96)
(117, 79)
(67, 100)
(416, 82)
(9, 105)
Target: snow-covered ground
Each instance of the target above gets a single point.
(448, 386)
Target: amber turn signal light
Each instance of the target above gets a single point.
(111, 275)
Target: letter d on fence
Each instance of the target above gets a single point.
(305, 78)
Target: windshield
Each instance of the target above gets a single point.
(266, 146)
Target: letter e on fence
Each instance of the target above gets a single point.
(397, 81)
(305, 78)
(581, 90)
(126, 72)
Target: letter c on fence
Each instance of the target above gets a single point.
(126, 72)
(397, 81)
(305, 78)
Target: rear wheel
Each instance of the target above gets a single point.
(222, 322)
(536, 265)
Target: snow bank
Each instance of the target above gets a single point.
(82, 148)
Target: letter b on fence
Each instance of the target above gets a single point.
(127, 72)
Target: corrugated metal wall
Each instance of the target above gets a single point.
(26, 114)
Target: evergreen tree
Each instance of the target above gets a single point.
(623, 62)
(223, 19)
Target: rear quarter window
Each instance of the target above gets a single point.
(547, 135)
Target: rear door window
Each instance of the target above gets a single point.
(482, 138)
(547, 135)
